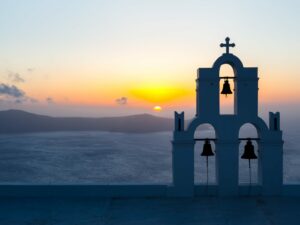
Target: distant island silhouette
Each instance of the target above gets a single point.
(18, 121)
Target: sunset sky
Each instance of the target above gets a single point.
(122, 57)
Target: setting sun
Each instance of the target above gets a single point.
(157, 108)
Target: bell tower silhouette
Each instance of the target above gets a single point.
(270, 143)
(245, 80)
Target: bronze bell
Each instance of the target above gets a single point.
(249, 151)
(226, 88)
(207, 150)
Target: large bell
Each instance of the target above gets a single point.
(249, 151)
(207, 150)
(226, 88)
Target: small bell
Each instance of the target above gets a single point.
(207, 150)
(226, 88)
(249, 151)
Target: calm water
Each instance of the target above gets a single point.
(103, 157)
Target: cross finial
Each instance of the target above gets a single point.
(227, 45)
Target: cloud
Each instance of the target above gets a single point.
(30, 70)
(12, 91)
(19, 101)
(50, 100)
(32, 100)
(15, 77)
(12, 94)
(122, 101)
(25, 99)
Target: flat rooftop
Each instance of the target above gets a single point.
(144, 211)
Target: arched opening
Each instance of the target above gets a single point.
(226, 101)
(248, 175)
(204, 167)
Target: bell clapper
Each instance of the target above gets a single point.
(206, 170)
(250, 171)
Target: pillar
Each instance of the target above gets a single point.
(227, 165)
(270, 172)
(183, 168)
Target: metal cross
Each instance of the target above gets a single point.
(227, 45)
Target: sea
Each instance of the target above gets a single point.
(94, 157)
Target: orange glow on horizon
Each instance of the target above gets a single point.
(104, 93)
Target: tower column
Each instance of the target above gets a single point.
(270, 167)
(227, 165)
(183, 168)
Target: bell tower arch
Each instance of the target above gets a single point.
(226, 85)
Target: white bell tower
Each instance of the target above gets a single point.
(270, 143)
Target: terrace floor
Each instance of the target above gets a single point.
(144, 211)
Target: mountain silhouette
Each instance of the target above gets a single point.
(17, 121)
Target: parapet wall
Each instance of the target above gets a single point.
(129, 191)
